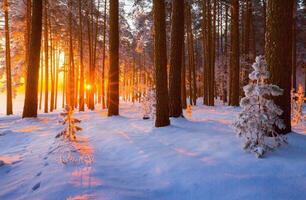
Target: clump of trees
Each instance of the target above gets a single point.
(94, 52)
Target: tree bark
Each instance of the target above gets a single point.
(160, 62)
(31, 101)
(177, 40)
(183, 77)
(113, 109)
(279, 53)
(104, 59)
(46, 53)
(294, 49)
(234, 56)
(81, 98)
(71, 71)
(9, 96)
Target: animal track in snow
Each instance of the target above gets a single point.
(36, 186)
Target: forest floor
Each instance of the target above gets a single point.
(124, 157)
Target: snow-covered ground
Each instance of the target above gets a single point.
(126, 158)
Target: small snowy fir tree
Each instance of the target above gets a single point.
(259, 118)
(297, 105)
(71, 128)
(148, 102)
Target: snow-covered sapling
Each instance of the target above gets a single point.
(260, 116)
(71, 128)
(148, 102)
(297, 105)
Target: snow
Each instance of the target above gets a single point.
(126, 158)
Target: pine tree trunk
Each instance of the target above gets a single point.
(56, 77)
(264, 8)
(213, 59)
(160, 62)
(226, 73)
(71, 79)
(9, 96)
(28, 30)
(190, 48)
(46, 53)
(90, 93)
(41, 81)
(104, 58)
(177, 40)
(183, 76)
(52, 59)
(234, 56)
(31, 101)
(279, 52)
(294, 49)
(81, 98)
(113, 109)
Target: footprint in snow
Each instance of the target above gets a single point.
(45, 158)
(39, 173)
(36, 186)
(46, 164)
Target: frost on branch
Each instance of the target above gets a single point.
(260, 116)
(148, 102)
(70, 122)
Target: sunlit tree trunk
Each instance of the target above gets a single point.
(104, 57)
(56, 77)
(183, 77)
(28, 30)
(279, 52)
(160, 62)
(46, 53)
(81, 99)
(52, 70)
(90, 92)
(9, 101)
(71, 71)
(113, 103)
(31, 101)
(41, 80)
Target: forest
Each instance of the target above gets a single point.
(152, 99)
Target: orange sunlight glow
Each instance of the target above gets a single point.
(88, 87)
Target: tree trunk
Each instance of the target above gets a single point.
(191, 59)
(294, 49)
(113, 109)
(9, 101)
(160, 62)
(71, 79)
(31, 101)
(46, 46)
(279, 52)
(234, 56)
(177, 40)
(28, 30)
(104, 59)
(81, 99)
(183, 78)
(52, 59)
